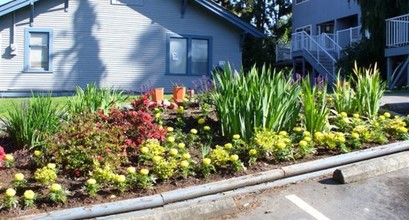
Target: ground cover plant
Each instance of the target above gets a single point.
(239, 124)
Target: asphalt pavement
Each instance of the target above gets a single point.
(380, 197)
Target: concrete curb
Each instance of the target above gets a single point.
(160, 200)
(369, 168)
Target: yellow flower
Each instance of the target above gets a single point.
(185, 99)
(170, 139)
(131, 170)
(252, 152)
(303, 143)
(19, 177)
(308, 139)
(318, 135)
(306, 133)
(170, 129)
(51, 165)
(345, 120)
(156, 159)
(29, 195)
(286, 140)
(144, 150)
(343, 114)
(387, 114)
(236, 136)
(201, 121)
(355, 115)
(120, 178)
(297, 129)
(37, 153)
(55, 187)
(193, 131)
(10, 192)
(186, 156)
(207, 161)
(184, 164)
(341, 139)
(9, 157)
(355, 135)
(283, 133)
(181, 145)
(228, 146)
(173, 151)
(234, 157)
(144, 171)
(280, 145)
(206, 128)
(91, 181)
(157, 115)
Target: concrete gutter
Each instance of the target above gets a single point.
(160, 200)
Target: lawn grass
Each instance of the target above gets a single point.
(6, 104)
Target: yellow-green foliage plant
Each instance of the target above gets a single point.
(257, 99)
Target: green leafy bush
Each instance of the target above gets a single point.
(262, 99)
(27, 124)
(84, 139)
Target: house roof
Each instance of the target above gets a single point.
(13, 5)
(230, 17)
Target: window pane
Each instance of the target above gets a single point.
(39, 39)
(200, 57)
(178, 56)
(39, 57)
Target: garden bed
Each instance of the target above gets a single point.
(94, 152)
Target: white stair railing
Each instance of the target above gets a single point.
(397, 31)
(301, 41)
(347, 36)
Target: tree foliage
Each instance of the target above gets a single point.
(273, 17)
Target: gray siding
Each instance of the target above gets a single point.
(313, 12)
(112, 45)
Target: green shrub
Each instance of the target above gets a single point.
(369, 89)
(84, 139)
(344, 96)
(314, 106)
(93, 99)
(27, 124)
(262, 99)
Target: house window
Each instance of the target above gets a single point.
(189, 55)
(38, 50)
(307, 29)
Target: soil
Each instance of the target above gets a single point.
(78, 197)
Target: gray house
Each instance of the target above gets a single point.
(323, 28)
(56, 45)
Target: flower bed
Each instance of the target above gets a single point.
(97, 155)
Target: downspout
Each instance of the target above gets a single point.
(13, 46)
(184, 5)
(66, 4)
(242, 39)
(31, 13)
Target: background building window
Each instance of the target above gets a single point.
(189, 55)
(38, 50)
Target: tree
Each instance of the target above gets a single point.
(269, 16)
